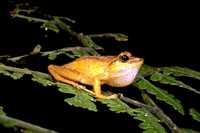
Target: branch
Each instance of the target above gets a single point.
(161, 115)
(46, 53)
(24, 71)
(25, 125)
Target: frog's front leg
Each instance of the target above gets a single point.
(97, 91)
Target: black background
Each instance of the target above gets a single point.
(164, 34)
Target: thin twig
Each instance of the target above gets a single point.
(25, 125)
(137, 103)
(161, 115)
(24, 71)
(46, 53)
(30, 18)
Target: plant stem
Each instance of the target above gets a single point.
(46, 53)
(161, 115)
(24, 71)
(25, 125)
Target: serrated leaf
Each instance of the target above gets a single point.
(195, 114)
(42, 81)
(62, 24)
(161, 94)
(65, 88)
(69, 55)
(146, 70)
(6, 73)
(52, 56)
(88, 42)
(120, 37)
(149, 122)
(117, 106)
(6, 122)
(16, 75)
(167, 79)
(82, 100)
(79, 53)
(50, 25)
(181, 71)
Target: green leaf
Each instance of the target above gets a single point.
(167, 79)
(42, 81)
(1, 111)
(160, 94)
(52, 56)
(146, 70)
(119, 37)
(62, 24)
(117, 106)
(88, 42)
(195, 114)
(69, 55)
(50, 25)
(65, 88)
(149, 122)
(79, 53)
(4, 72)
(5, 121)
(16, 75)
(82, 100)
(181, 71)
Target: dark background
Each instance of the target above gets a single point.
(166, 34)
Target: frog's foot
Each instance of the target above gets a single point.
(113, 96)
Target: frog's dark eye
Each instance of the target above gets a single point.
(123, 58)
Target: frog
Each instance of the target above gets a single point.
(113, 70)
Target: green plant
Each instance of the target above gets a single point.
(146, 110)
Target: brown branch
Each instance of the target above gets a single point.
(161, 115)
(46, 53)
(25, 125)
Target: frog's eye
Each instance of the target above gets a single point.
(123, 58)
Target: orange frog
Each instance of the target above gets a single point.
(115, 71)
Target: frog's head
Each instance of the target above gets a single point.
(124, 69)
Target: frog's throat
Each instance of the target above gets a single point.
(123, 77)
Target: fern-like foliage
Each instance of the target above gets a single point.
(181, 71)
(167, 79)
(195, 114)
(161, 94)
(150, 124)
(148, 75)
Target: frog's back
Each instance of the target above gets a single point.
(90, 65)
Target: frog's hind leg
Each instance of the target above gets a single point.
(67, 81)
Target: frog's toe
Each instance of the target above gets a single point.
(113, 96)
